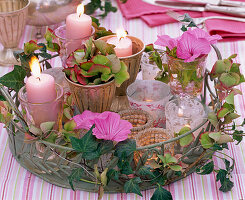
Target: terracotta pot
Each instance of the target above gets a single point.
(133, 62)
(96, 98)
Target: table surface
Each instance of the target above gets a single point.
(18, 183)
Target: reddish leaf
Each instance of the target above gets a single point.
(71, 61)
(96, 68)
(86, 65)
(81, 79)
(222, 112)
(31, 46)
(67, 71)
(73, 76)
(29, 138)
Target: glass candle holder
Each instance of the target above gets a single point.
(67, 46)
(150, 96)
(184, 112)
(186, 78)
(37, 113)
(149, 68)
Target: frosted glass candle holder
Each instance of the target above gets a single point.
(184, 112)
(149, 68)
(150, 96)
(37, 113)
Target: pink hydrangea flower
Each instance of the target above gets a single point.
(166, 41)
(108, 125)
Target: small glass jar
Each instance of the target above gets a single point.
(149, 68)
(150, 96)
(186, 78)
(37, 113)
(184, 112)
(67, 46)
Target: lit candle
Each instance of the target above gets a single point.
(41, 94)
(180, 112)
(123, 44)
(78, 25)
(40, 88)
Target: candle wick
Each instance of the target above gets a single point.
(120, 38)
(80, 14)
(39, 78)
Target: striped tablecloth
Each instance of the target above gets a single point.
(18, 183)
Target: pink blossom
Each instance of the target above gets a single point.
(85, 120)
(109, 126)
(190, 47)
(199, 33)
(165, 40)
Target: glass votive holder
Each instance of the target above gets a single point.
(67, 46)
(184, 112)
(37, 113)
(150, 96)
(149, 68)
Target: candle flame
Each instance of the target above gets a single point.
(149, 100)
(180, 112)
(188, 126)
(121, 33)
(80, 9)
(35, 67)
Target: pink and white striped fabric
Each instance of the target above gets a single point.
(18, 184)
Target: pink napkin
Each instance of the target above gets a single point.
(151, 14)
(229, 30)
(156, 15)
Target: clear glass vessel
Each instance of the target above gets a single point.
(186, 78)
(37, 113)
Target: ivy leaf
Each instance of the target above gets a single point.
(226, 185)
(14, 79)
(95, 20)
(108, 8)
(145, 171)
(105, 146)
(76, 175)
(161, 194)
(237, 135)
(206, 169)
(112, 174)
(127, 146)
(221, 175)
(132, 186)
(86, 144)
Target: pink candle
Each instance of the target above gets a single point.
(78, 25)
(41, 93)
(123, 44)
